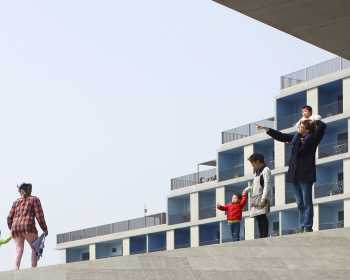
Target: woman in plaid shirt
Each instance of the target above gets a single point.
(21, 222)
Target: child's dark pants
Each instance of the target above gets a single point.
(235, 230)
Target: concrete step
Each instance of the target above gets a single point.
(321, 255)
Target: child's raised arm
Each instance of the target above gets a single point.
(244, 198)
(221, 207)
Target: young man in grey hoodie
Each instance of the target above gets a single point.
(261, 190)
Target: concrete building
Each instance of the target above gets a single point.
(192, 219)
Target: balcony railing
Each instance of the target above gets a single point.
(321, 69)
(287, 231)
(193, 179)
(328, 189)
(287, 121)
(179, 218)
(289, 193)
(245, 130)
(209, 242)
(330, 225)
(233, 172)
(207, 212)
(143, 222)
(326, 150)
(331, 109)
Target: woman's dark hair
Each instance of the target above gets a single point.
(27, 188)
(307, 107)
(308, 125)
(239, 196)
(257, 157)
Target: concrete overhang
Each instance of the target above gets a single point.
(322, 23)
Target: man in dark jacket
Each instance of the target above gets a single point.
(302, 165)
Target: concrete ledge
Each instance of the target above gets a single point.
(325, 255)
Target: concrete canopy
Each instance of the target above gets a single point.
(322, 23)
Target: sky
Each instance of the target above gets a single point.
(103, 102)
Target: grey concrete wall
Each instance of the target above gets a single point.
(320, 255)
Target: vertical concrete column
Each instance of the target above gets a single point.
(170, 240)
(126, 247)
(248, 150)
(194, 206)
(221, 232)
(92, 252)
(316, 225)
(249, 227)
(346, 95)
(63, 255)
(280, 222)
(280, 189)
(220, 198)
(194, 236)
(346, 170)
(279, 154)
(312, 99)
(347, 212)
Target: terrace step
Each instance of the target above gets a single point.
(321, 255)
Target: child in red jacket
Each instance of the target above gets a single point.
(234, 213)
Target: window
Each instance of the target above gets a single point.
(157, 241)
(109, 249)
(179, 209)
(138, 244)
(209, 234)
(182, 238)
(207, 204)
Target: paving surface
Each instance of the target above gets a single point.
(320, 255)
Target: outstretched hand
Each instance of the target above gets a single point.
(258, 126)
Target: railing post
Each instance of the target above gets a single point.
(305, 71)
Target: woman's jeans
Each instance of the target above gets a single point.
(303, 196)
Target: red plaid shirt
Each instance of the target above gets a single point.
(21, 219)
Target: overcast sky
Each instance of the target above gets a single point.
(102, 102)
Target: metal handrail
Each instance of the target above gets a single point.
(315, 71)
(331, 225)
(326, 150)
(245, 130)
(329, 189)
(142, 222)
(331, 109)
(193, 179)
(206, 212)
(179, 218)
(287, 121)
(233, 172)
